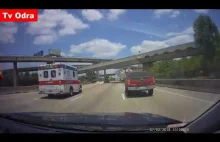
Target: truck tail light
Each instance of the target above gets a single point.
(153, 81)
(129, 81)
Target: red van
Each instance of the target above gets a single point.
(139, 81)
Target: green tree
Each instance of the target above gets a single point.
(91, 75)
(206, 35)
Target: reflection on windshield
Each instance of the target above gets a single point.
(140, 75)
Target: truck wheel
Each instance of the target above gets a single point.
(80, 90)
(50, 95)
(150, 92)
(127, 93)
(71, 91)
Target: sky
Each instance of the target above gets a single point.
(99, 33)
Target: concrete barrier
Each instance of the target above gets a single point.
(18, 89)
(202, 85)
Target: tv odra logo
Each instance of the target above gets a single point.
(18, 15)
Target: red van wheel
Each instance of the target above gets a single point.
(71, 93)
(80, 90)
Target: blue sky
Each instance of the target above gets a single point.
(100, 33)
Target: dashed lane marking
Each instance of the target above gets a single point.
(123, 96)
(184, 96)
(76, 98)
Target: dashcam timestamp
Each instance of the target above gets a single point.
(169, 129)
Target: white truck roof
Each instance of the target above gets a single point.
(44, 65)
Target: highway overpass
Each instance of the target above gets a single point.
(178, 51)
(49, 59)
(36, 68)
(15, 59)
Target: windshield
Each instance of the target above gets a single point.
(72, 65)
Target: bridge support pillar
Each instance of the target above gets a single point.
(15, 74)
(97, 75)
(104, 74)
(147, 66)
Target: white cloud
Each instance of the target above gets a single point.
(202, 11)
(115, 13)
(175, 14)
(148, 45)
(63, 54)
(98, 47)
(7, 32)
(171, 12)
(186, 31)
(92, 15)
(178, 38)
(52, 24)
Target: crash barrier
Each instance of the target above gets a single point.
(18, 89)
(202, 85)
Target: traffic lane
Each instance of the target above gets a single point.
(89, 99)
(33, 94)
(173, 105)
(46, 104)
(109, 99)
(212, 97)
(30, 101)
(58, 104)
(168, 104)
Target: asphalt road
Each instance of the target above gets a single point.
(177, 104)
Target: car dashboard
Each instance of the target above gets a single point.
(199, 125)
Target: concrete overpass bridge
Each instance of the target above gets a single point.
(147, 58)
(49, 59)
(183, 50)
(16, 59)
(27, 69)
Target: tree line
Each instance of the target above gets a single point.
(206, 36)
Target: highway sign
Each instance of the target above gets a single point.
(54, 52)
(40, 53)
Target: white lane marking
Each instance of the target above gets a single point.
(138, 106)
(123, 96)
(36, 98)
(75, 98)
(184, 96)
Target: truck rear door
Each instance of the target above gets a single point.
(139, 79)
(51, 80)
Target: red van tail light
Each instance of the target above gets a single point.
(129, 81)
(153, 80)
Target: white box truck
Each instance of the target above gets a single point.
(58, 79)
